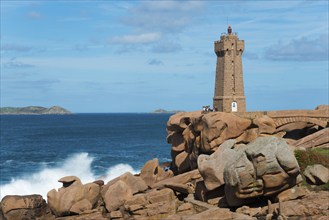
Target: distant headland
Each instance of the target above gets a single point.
(34, 110)
(160, 110)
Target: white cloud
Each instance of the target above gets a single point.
(163, 16)
(137, 39)
(159, 22)
(303, 49)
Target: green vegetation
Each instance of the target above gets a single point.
(311, 157)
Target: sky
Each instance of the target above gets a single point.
(138, 56)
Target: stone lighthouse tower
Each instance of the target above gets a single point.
(229, 89)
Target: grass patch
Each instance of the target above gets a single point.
(324, 187)
(311, 157)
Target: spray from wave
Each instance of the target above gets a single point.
(47, 179)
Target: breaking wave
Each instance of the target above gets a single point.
(47, 179)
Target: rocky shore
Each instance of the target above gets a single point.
(224, 166)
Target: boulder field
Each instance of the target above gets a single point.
(223, 167)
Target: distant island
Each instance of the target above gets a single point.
(166, 111)
(34, 110)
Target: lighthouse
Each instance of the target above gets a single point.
(229, 89)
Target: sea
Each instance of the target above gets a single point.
(37, 150)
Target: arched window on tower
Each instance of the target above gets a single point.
(234, 106)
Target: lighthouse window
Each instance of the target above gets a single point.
(234, 106)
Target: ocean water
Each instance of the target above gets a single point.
(37, 150)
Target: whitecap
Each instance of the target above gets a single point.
(47, 179)
(117, 170)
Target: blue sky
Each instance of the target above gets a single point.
(137, 56)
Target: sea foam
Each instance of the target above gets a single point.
(47, 179)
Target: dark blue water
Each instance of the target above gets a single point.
(29, 143)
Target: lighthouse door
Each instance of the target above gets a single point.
(234, 106)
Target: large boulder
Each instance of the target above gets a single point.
(183, 179)
(25, 207)
(117, 191)
(176, 140)
(116, 195)
(162, 195)
(262, 168)
(154, 204)
(152, 172)
(317, 174)
(295, 192)
(218, 127)
(212, 167)
(317, 139)
(182, 162)
(136, 204)
(182, 137)
(161, 203)
(149, 172)
(214, 197)
(248, 136)
(315, 205)
(73, 197)
(180, 121)
(265, 124)
(195, 133)
(135, 183)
